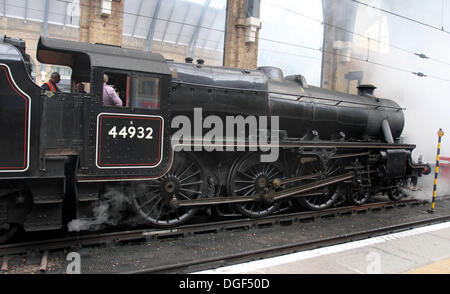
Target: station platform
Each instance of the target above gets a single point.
(424, 250)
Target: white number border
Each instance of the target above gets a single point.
(27, 166)
(130, 166)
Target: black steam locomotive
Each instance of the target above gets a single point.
(62, 152)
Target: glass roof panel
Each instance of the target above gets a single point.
(61, 12)
(288, 27)
(184, 23)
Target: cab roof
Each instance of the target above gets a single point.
(82, 57)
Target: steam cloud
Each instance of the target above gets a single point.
(425, 185)
(425, 98)
(111, 211)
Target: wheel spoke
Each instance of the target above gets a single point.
(160, 212)
(148, 202)
(146, 194)
(272, 170)
(191, 191)
(265, 168)
(191, 184)
(250, 177)
(187, 178)
(244, 182)
(250, 191)
(181, 175)
(153, 185)
(153, 207)
(255, 174)
(242, 189)
(184, 196)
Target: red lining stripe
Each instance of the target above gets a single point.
(130, 117)
(26, 121)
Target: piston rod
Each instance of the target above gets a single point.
(268, 197)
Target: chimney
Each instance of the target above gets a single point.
(366, 90)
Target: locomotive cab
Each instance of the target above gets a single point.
(58, 147)
(114, 137)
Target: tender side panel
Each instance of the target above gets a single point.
(15, 107)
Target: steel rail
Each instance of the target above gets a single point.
(215, 262)
(95, 239)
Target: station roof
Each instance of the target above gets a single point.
(191, 23)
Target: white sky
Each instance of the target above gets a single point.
(287, 27)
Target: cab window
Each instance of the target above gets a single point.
(146, 92)
(120, 82)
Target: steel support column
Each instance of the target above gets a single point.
(65, 13)
(151, 29)
(137, 18)
(168, 21)
(45, 27)
(194, 38)
(26, 11)
(182, 26)
(47, 6)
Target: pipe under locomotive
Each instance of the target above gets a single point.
(62, 153)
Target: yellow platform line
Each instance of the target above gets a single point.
(440, 267)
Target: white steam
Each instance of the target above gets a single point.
(111, 210)
(425, 98)
(424, 189)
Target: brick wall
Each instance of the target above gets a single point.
(239, 53)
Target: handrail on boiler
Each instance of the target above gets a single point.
(299, 97)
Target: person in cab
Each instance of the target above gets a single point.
(80, 88)
(110, 97)
(51, 85)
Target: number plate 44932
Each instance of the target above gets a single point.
(129, 141)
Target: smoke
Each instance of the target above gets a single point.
(112, 209)
(425, 98)
(425, 185)
(424, 189)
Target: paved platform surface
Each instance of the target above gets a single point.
(423, 250)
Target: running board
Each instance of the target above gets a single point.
(270, 197)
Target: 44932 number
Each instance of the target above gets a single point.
(132, 132)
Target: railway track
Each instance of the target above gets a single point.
(44, 247)
(216, 262)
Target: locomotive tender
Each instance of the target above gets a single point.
(61, 152)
